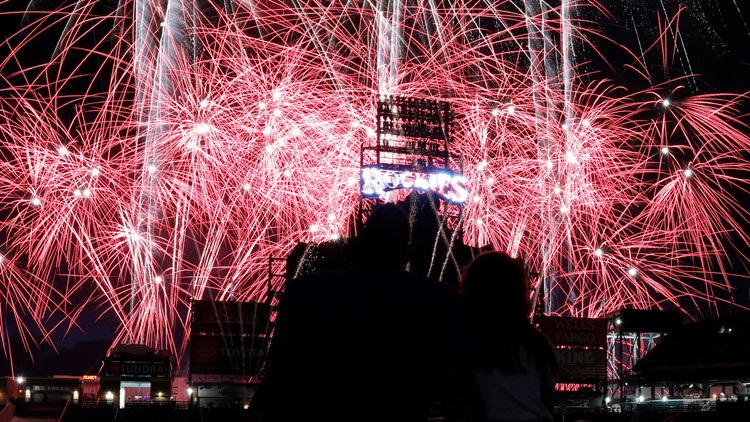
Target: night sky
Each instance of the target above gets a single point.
(715, 46)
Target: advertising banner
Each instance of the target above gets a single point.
(581, 364)
(575, 332)
(216, 354)
(128, 368)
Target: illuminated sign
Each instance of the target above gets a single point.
(375, 182)
(132, 368)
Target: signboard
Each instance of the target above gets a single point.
(215, 354)
(581, 364)
(375, 182)
(579, 347)
(229, 317)
(415, 117)
(136, 368)
(575, 332)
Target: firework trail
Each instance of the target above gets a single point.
(156, 152)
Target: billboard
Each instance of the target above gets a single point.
(231, 355)
(136, 368)
(580, 347)
(230, 318)
(575, 332)
(581, 364)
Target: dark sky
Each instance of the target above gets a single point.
(714, 44)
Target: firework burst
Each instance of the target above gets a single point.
(153, 153)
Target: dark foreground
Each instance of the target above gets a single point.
(71, 413)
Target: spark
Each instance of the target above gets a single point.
(257, 141)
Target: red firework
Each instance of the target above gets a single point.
(154, 155)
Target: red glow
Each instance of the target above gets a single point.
(187, 144)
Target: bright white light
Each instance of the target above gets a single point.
(331, 217)
(296, 132)
(394, 109)
(586, 122)
(663, 398)
(109, 396)
(267, 130)
(277, 95)
(565, 126)
(511, 109)
(163, 24)
(158, 279)
(95, 171)
(276, 112)
(479, 221)
(482, 164)
(477, 198)
(281, 143)
(557, 190)
(570, 157)
(550, 165)
(204, 103)
(495, 112)
(564, 209)
(314, 228)
(202, 128)
(262, 105)
(355, 124)
(618, 321)
(598, 252)
(287, 172)
(688, 173)
(351, 181)
(62, 151)
(77, 192)
(490, 180)
(666, 102)
(607, 400)
(641, 399)
(151, 168)
(269, 148)
(382, 97)
(665, 151)
(191, 144)
(20, 380)
(87, 192)
(190, 391)
(370, 133)
(246, 186)
(632, 272)
(36, 202)
(335, 236)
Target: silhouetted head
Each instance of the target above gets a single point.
(496, 286)
(385, 241)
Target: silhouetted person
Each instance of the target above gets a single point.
(373, 343)
(517, 369)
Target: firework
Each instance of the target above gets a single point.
(156, 153)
